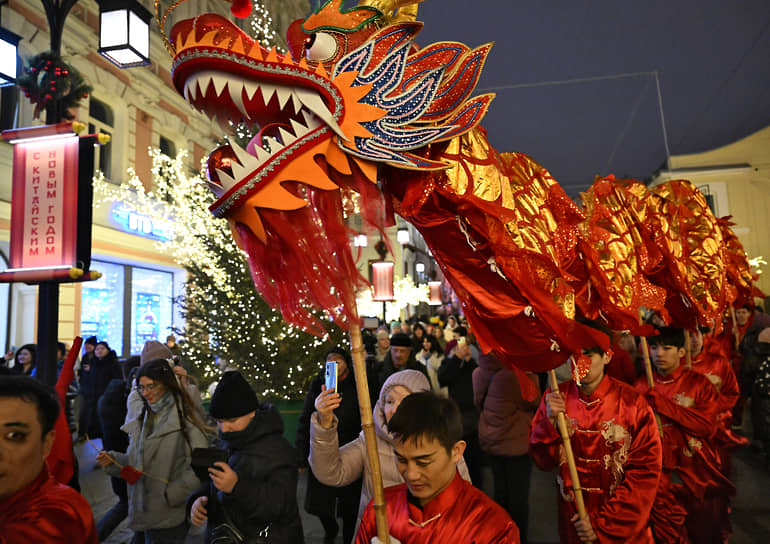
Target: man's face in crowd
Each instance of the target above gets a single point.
(666, 358)
(399, 355)
(23, 449)
(235, 424)
(742, 316)
(427, 468)
(696, 342)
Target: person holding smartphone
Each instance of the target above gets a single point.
(322, 500)
(255, 491)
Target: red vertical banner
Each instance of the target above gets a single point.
(44, 203)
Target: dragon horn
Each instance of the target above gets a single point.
(407, 9)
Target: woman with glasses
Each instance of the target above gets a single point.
(161, 440)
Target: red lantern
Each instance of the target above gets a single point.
(382, 280)
(435, 293)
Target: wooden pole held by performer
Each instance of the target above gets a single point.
(650, 381)
(735, 330)
(564, 432)
(687, 349)
(367, 424)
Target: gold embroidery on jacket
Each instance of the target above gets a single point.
(683, 400)
(614, 433)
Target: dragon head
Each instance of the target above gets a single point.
(353, 93)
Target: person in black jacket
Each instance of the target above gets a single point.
(400, 357)
(112, 413)
(456, 373)
(322, 500)
(256, 490)
(94, 377)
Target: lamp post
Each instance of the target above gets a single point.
(56, 12)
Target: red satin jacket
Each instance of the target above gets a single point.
(46, 512)
(461, 514)
(688, 405)
(618, 456)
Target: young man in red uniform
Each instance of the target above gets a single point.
(709, 359)
(687, 404)
(34, 507)
(617, 451)
(435, 504)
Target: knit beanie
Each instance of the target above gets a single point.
(233, 397)
(154, 350)
(401, 339)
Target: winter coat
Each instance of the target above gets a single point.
(163, 454)
(457, 375)
(432, 362)
(320, 499)
(505, 415)
(760, 394)
(337, 466)
(94, 381)
(266, 491)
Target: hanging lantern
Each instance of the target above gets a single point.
(124, 32)
(382, 280)
(402, 235)
(9, 43)
(435, 293)
(360, 240)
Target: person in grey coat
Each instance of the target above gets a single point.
(161, 440)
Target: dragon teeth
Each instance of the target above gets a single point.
(286, 136)
(298, 129)
(225, 179)
(236, 95)
(314, 103)
(248, 162)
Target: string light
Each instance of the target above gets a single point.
(223, 313)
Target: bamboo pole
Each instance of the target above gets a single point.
(650, 380)
(735, 330)
(367, 424)
(687, 349)
(564, 432)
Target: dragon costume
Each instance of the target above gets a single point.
(356, 107)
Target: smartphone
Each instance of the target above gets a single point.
(331, 375)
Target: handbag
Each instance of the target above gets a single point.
(228, 533)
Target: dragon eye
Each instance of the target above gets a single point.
(320, 46)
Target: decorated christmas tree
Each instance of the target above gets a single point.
(224, 315)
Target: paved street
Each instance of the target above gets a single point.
(751, 507)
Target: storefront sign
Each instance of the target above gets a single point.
(141, 225)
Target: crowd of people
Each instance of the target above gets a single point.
(652, 452)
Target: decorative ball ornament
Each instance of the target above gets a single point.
(48, 78)
(241, 8)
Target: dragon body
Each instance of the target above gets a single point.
(356, 107)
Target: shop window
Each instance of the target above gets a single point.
(127, 306)
(9, 107)
(102, 307)
(151, 306)
(101, 119)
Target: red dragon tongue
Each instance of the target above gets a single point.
(241, 8)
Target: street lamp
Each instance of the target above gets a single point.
(9, 42)
(402, 236)
(124, 33)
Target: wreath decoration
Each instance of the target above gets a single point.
(48, 78)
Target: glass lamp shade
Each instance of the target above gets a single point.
(402, 236)
(124, 33)
(419, 267)
(9, 43)
(360, 240)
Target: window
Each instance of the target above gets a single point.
(167, 147)
(9, 107)
(127, 306)
(102, 307)
(151, 306)
(101, 119)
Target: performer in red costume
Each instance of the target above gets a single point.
(709, 359)
(617, 450)
(34, 507)
(435, 504)
(688, 406)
